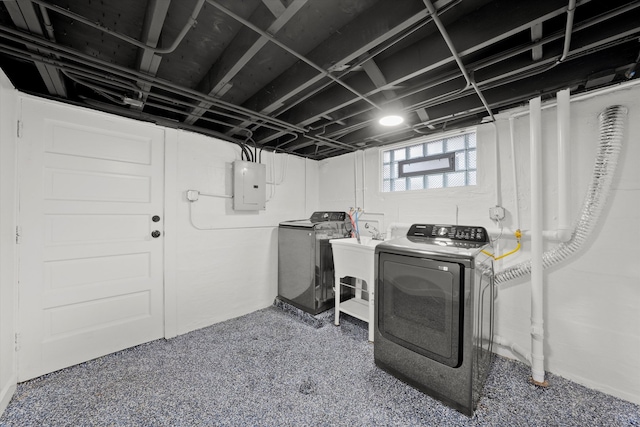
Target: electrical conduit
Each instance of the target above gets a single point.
(158, 51)
(514, 171)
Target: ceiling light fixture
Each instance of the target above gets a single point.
(391, 120)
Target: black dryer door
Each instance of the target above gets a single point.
(420, 305)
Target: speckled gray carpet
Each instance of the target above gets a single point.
(269, 369)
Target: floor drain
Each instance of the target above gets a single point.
(307, 387)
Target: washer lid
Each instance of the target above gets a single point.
(316, 218)
(302, 223)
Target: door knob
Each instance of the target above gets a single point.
(155, 234)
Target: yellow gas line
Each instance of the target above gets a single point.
(518, 235)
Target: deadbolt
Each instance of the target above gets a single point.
(155, 234)
(155, 218)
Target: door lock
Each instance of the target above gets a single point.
(155, 234)
(155, 218)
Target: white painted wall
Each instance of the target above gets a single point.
(224, 271)
(8, 287)
(226, 262)
(592, 313)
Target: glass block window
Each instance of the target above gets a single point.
(460, 149)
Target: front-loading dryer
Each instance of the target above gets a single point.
(434, 311)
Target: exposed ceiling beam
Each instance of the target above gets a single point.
(511, 71)
(516, 80)
(371, 68)
(23, 15)
(148, 61)
(374, 28)
(424, 117)
(500, 95)
(218, 78)
(287, 92)
(151, 30)
(275, 7)
(378, 24)
(536, 34)
(431, 53)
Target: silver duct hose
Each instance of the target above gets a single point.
(611, 133)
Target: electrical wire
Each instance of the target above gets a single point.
(245, 153)
(275, 181)
(199, 227)
(254, 154)
(115, 97)
(501, 231)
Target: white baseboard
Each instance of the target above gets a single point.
(6, 394)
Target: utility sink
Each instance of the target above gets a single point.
(366, 243)
(354, 259)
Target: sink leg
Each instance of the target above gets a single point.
(337, 299)
(371, 310)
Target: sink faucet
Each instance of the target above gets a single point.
(375, 234)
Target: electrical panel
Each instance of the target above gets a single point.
(249, 186)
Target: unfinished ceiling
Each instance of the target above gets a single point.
(311, 77)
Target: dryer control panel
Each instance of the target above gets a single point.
(450, 233)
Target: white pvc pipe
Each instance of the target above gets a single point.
(612, 123)
(564, 165)
(515, 348)
(496, 169)
(514, 170)
(551, 235)
(582, 97)
(355, 179)
(537, 248)
(364, 178)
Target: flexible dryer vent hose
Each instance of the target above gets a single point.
(611, 133)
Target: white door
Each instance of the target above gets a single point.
(91, 274)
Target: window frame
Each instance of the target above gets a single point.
(443, 174)
(452, 164)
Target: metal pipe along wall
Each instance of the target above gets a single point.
(537, 244)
